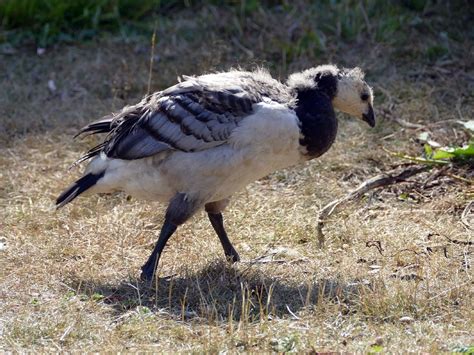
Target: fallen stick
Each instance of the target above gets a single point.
(406, 124)
(465, 213)
(389, 178)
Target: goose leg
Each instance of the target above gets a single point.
(214, 210)
(180, 209)
(217, 222)
(148, 269)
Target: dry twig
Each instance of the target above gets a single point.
(389, 178)
(465, 213)
(406, 124)
(152, 57)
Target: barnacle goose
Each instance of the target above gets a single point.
(198, 142)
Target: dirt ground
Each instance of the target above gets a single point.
(395, 274)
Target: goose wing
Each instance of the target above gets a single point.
(194, 115)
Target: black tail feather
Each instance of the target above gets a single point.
(104, 125)
(77, 188)
(90, 153)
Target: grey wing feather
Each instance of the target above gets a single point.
(190, 116)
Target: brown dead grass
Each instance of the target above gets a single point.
(68, 279)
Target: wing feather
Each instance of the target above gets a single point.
(196, 114)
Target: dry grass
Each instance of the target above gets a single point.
(68, 279)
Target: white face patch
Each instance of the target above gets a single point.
(350, 94)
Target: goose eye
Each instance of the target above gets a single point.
(364, 97)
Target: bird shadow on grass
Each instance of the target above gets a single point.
(221, 292)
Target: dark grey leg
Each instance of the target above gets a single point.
(148, 269)
(180, 209)
(217, 222)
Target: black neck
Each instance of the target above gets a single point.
(318, 121)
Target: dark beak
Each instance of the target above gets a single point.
(369, 117)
